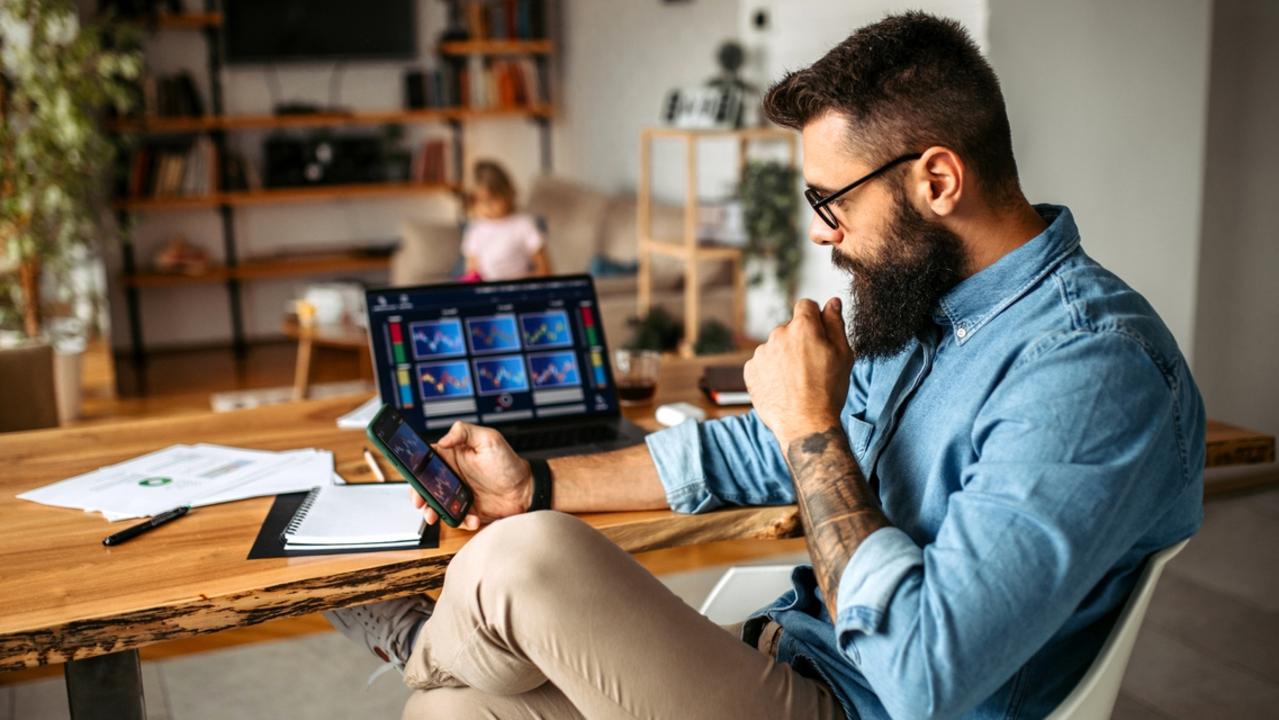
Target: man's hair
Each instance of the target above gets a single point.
(906, 83)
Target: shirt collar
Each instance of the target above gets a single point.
(977, 299)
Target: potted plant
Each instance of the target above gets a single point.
(57, 78)
(770, 208)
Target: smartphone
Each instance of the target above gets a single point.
(420, 465)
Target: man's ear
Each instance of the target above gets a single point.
(938, 179)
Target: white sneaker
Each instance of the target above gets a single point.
(387, 628)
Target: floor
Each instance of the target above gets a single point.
(1207, 650)
(180, 381)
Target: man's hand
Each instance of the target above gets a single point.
(501, 481)
(798, 380)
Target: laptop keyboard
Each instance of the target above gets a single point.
(561, 437)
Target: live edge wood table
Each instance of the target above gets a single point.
(65, 598)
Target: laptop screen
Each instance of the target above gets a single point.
(491, 353)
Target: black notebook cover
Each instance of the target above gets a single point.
(270, 540)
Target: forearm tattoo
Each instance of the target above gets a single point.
(835, 504)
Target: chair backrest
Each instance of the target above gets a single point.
(747, 588)
(1094, 697)
(744, 589)
(28, 400)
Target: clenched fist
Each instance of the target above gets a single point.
(798, 379)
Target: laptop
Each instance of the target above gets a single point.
(527, 357)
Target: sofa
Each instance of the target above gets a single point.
(587, 231)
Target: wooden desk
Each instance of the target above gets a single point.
(64, 598)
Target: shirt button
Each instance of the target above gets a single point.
(961, 333)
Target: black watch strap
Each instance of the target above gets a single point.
(541, 485)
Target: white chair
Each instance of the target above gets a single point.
(1094, 697)
(745, 589)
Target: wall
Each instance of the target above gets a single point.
(1236, 343)
(619, 59)
(1107, 103)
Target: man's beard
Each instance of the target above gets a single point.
(894, 297)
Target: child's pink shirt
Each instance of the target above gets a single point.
(502, 248)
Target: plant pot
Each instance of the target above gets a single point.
(766, 303)
(67, 386)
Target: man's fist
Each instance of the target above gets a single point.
(798, 379)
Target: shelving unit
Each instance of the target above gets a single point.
(276, 196)
(208, 123)
(497, 47)
(688, 248)
(189, 21)
(233, 271)
(288, 265)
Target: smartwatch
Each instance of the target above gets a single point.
(541, 486)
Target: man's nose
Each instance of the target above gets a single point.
(822, 234)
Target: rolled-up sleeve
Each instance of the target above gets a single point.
(729, 461)
(1074, 450)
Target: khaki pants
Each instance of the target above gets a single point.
(541, 616)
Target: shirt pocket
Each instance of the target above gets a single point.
(859, 435)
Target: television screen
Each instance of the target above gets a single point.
(264, 31)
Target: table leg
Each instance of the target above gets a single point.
(108, 687)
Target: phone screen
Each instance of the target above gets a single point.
(428, 468)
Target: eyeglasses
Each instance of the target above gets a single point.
(821, 205)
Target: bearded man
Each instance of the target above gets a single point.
(983, 459)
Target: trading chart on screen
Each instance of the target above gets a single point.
(491, 352)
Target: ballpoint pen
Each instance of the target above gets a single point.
(154, 522)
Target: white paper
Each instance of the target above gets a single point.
(186, 475)
(359, 418)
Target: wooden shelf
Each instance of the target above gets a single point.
(188, 21)
(497, 47)
(763, 133)
(266, 269)
(207, 123)
(688, 247)
(701, 251)
(270, 196)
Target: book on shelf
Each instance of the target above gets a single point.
(501, 84)
(172, 169)
(171, 96)
(504, 19)
(433, 163)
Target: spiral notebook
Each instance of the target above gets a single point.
(366, 516)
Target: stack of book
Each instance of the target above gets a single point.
(171, 96)
(504, 19)
(173, 170)
(488, 84)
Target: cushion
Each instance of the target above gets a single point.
(573, 213)
(619, 242)
(429, 252)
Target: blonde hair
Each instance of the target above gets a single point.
(493, 177)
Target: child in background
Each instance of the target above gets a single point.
(500, 244)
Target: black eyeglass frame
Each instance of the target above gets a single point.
(820, 203)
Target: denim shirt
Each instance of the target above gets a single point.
(1031, 450)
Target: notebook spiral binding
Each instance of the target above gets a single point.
(300, 514)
